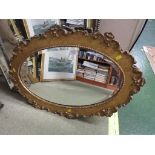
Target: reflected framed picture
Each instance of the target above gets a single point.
(59, 63)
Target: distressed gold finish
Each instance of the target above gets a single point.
(104, 44)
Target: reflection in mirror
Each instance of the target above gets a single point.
(71, 76)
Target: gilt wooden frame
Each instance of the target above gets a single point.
(104, 44)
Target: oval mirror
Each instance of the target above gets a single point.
(61, 74)
(75, 73)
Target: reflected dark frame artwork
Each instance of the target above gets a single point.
(103, 44)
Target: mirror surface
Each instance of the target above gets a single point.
(71, 76)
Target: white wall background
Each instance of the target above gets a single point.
(124, 30)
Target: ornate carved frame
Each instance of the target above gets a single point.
(105, 44)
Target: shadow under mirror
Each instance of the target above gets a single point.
(73, 76)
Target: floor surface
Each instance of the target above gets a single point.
(18, 118)
(138, 117)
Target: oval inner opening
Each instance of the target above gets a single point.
(71, 76)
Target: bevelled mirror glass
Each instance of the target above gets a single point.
(60, 74)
